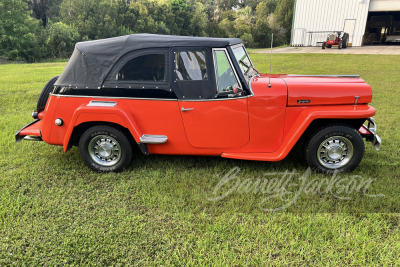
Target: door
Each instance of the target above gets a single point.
(349, 25)
(221, 120)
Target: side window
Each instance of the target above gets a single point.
(226, 79)
(149, 68)
(190, 66)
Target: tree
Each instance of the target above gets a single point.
(61, 39)
(262, 33)
(17, 30)
(199, 20)
(284, 16)
(44, 10)
(93, 19)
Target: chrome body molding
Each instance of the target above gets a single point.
(114, 97)
(251, 89)
(97, 103)
(326, 76)
(153, 139)
(214, 99)
(157, 99)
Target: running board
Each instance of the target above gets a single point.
(153, 139)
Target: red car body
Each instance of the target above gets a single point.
(263, 124)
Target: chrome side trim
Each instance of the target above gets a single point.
(113, 97)
(214, 99)
(327, 76)
(251, 89)
(97, 103)
(158, 99)
(153, 139)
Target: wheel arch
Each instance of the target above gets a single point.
(317, 124)
(93, 115)
(81, 128)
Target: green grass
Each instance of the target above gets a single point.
(54, 210)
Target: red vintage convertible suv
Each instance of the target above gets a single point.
(198, 96)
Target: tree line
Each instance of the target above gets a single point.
(40, 29)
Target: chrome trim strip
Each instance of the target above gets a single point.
(328, 76)
(214, 99)
(251, 89)
(153, 139)
(160, 99)
(113, 97)
(97, 103)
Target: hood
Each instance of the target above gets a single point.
(327, 90)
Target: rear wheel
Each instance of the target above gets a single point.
(105, 149)
(44, 95)
(340, 46)
(335, 149)
(323, 45)
(345, 40)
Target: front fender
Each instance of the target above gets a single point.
(299, 123)
(101, 114)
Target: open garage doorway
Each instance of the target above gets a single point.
(382, 28)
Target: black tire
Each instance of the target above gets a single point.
(323, 45)
(105, 149)
(345, 40)
(44, 95)
(340, 46)
(334, 149)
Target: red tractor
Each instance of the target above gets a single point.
(336, 38)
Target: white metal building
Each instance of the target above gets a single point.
(366, 21)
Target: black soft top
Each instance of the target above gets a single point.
(91, 61)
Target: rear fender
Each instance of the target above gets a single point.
(115, 115)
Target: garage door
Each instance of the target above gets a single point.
(384, 5)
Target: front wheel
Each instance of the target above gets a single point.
(105, 149)
(335, 149)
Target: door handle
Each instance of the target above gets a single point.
(186, 109)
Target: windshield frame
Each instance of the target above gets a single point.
(245, 74)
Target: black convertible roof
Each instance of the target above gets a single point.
(91, 61)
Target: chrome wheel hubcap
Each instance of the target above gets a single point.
(104, 150)
(335, 152)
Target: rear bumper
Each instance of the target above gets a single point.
(369, 133)
(30, 132)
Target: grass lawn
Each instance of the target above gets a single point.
(54, 210)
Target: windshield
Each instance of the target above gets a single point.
(244, 62)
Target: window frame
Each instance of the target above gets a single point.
(111, 80)
(190, 50)
(193, 89)
(230, 63)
